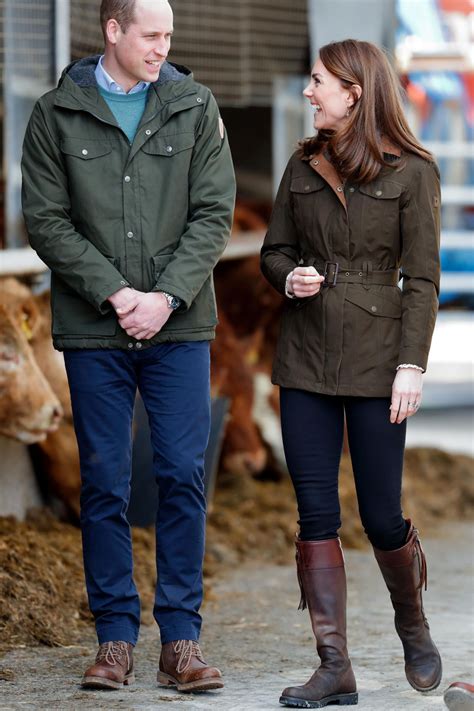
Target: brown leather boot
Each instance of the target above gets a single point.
(322, 579)
(404, 572)
(113, 667)
(182, 665)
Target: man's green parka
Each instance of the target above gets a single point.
(349, 338)
(104, 214)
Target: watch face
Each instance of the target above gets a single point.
(173, 301)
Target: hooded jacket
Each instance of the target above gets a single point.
(103, 213)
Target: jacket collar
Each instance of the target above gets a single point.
(321, 165)
(82, 72)
(389, 147)
(78, 89)
(326, 170)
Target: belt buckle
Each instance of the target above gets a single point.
(331, 270)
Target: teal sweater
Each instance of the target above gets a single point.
(127, 109)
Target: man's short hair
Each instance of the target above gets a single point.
(120, 10)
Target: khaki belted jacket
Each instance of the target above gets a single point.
(349, 338)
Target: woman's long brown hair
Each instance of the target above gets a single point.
(356, 148)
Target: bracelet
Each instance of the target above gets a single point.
(289, 293)
(410, 365)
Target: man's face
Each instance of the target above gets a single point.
(140, 52)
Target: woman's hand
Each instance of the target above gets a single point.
(406, 394)
(304, 281)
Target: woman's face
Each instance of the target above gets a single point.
(329, 98)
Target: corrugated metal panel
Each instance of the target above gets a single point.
(235, 48)
(27, 71)
(27, 35)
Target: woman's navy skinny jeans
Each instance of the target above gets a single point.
(313, 431)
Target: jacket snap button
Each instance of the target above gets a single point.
(85, 151)
(351, 190)
(348, 273)
(148, 132)
(130, 234)
(339, 189)
(361, 273)
(315, 162)
(127, 178)
(138, 345)
(169, 148)
(124, 283)
(130, 345)
(199, 100)
(378, 193)
(373, 308)
(306, 187)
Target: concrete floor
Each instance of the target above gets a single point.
(255, 634)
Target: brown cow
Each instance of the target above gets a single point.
(29, 409)
(57, 452)
(243, 451)
(251, 305)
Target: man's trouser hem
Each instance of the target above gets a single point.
(117, 633)
(173, 634)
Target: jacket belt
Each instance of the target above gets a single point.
(335, 274)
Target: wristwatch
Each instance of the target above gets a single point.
(173, 301)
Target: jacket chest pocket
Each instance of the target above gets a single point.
(165, 162)
(86, 163)
(83, 152)
(380, 207)
(170, 146)
(305, 196)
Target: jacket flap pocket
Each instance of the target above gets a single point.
(375, 304)
(382, 190)
(306, 184)
(169, 145)
(85, 149)
(160, 262)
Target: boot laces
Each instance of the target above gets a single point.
(187, 649)
(113, 653)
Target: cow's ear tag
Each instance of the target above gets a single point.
(25, 326)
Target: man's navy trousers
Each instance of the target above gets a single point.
(173, 380)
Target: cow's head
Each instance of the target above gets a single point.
(29, 409)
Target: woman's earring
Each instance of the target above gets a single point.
(348, 112)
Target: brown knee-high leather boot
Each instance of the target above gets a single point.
(322, 579)
(404, 572)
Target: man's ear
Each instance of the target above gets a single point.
(112, 31)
